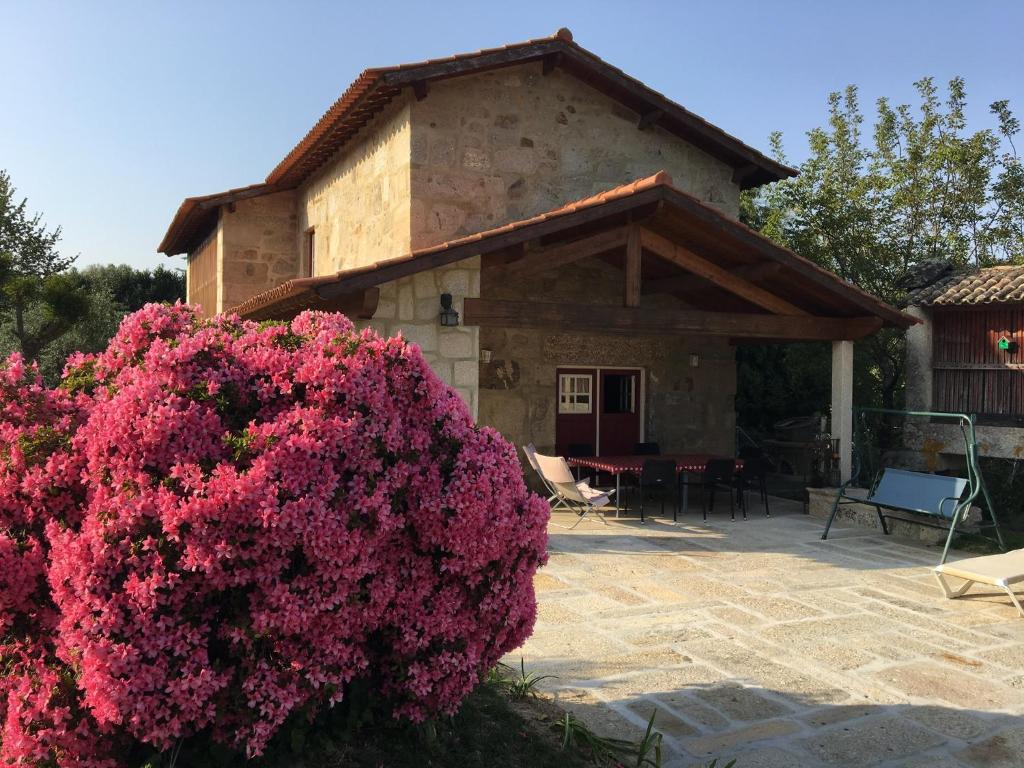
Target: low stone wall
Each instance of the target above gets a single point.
(819, 505)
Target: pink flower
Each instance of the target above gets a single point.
(213, 524)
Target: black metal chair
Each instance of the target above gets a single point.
(658, 475)
(647, 449)
(753, 476)
(577, 450)
(719, 475)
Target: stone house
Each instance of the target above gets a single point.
(965, 356)
(583, 227)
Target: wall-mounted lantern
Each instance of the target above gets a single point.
(449, 316)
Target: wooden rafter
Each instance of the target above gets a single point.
(683, 284)
(633, 266)
(552, 256)
(596, 318)
(723, 278)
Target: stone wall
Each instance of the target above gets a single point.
(411, 306)
(359, 204)
(821, 500)
(686, 409)
(260, 246)
(505, 145)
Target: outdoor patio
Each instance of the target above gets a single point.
(758, 641)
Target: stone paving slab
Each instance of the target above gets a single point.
(755, 640)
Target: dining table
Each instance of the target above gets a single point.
(686, 464)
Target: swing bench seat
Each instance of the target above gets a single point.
(1002, 571)
(903, 491)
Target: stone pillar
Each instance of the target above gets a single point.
(919, 361)
(842, 405)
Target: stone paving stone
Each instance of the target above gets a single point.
(957, 723)
(934, 760)
(545, 582)
(549, 612)
(724, 743)
(655, 683)
(665, 635)
(826, 716)
(693, 711)
(664, 721)
(1010, 656)
(740, 703)
(1004, 750)
(898, 646)
(761, 757)
(849, 639)
(928, 680)
(619, 595)
(735, 617)
(589, 605)
(870, 741)
(781, 609)
(837, 655)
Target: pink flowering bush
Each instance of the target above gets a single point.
(215, 526)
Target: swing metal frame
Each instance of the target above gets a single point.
(975, 489)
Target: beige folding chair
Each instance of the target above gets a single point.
(1002, 571)
(531, 456)
(577, 496)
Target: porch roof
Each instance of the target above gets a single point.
(714, 264)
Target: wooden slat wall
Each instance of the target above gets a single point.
(971, 374)
(202, 276)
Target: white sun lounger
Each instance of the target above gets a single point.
(1002, 571)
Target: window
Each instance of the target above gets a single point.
(311, 251)
(575, 393)
(619, 393)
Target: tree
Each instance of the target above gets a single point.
(923, 188)
(38, 297)
(114, 290)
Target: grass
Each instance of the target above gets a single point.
(489, 731)
(504, 723)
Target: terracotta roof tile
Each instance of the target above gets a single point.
(987, 285)
(374, 88)
(302, 284)
(295, 288)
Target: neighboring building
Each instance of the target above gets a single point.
(966, 354)
(583, 225)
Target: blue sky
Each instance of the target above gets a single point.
(111, 113)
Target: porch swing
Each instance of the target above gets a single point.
(920, 498)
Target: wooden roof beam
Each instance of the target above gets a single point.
(649, 119)
(560, 254)
(603, 318)
(550, 63)
(688, 283)
(723, 278)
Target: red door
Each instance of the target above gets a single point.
(575, 408)
(599, 408)
(618, 412)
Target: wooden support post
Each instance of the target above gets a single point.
(842, 405)
(634, 271)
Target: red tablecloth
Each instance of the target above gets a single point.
(614, 465)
